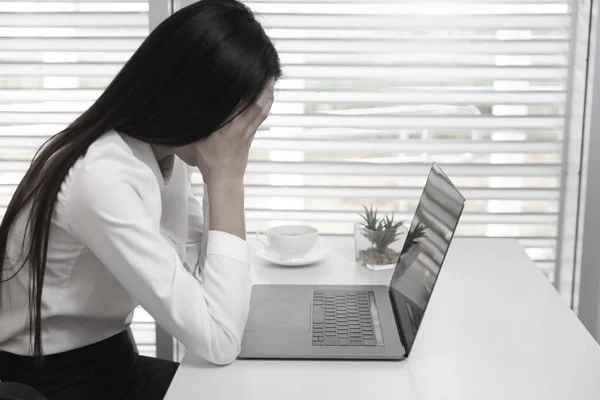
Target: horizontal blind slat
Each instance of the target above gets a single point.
(396, 97)
(253, 3)
(328, 121)
(410, 73)
(70, 43)
(425, 96)
(59, 69)
(387, 147)
(402, 8)
(369, 168)
(74, 19)
(374, 193)
(401, 169)
(396, 22)
(420, 73)
(415, 122)
(394, 192)
(349, 146)
(29, 7)
(107, 1)
(528, 241)
(361, 193)
(333, 46)
(403, 46)
(353, 216)
(370, 193)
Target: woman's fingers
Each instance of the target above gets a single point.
(225, 155)
(263, 107)
(250, 119)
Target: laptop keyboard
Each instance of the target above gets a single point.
(342, 319)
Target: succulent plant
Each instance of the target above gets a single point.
(381, 232)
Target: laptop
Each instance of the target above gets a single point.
(360, 322)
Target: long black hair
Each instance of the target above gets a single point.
(181, 85)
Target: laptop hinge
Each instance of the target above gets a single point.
(397, 318)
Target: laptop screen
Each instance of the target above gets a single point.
(427, 242)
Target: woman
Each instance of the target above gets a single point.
(104, 220)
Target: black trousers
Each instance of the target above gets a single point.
(108, 370)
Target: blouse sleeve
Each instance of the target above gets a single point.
(198, 232)
(109, 216)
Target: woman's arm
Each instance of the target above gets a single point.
(226, 205)
(225, 214)
(110, 218)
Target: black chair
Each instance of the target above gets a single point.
(19, 391)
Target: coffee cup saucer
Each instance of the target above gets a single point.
(312, 257)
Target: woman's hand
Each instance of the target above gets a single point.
(222, 160)
(223, 156)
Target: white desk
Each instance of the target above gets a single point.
(494, 329)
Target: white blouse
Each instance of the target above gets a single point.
(121, 237)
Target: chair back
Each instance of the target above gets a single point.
(19, 391)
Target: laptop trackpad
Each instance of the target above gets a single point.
(279, 316)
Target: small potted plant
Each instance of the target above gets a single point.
(378, 241)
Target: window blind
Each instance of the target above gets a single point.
(374, 91)
(55, 58)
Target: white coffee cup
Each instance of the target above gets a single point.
(289, 240)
